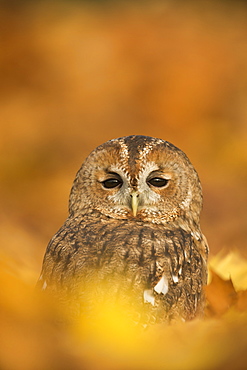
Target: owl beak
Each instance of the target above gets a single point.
(134, 203)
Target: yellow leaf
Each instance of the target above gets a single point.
(231, 265)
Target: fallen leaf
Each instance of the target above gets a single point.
(241, 303)
(220, 294)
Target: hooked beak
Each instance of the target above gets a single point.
(134, 203)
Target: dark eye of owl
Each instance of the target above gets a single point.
(112, 183)
(158, 182)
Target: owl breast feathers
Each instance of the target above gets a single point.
(132, 235)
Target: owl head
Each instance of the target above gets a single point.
(140, 178)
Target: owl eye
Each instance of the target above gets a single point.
(112, 183)
(158, 182)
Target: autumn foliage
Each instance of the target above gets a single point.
(76, 74)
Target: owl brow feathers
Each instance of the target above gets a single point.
(134, 151)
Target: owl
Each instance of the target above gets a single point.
(132, 235)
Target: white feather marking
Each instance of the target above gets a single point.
(44, 285)
(196, 235)
(124, 155)
(162, 285)
(148, 296)
(195, 300)
(175, 278)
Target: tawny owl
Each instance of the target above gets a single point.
(133, 233)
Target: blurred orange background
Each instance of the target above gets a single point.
(74, 74)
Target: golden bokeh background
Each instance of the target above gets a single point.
(75, 74)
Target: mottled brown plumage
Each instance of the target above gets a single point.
(132, 234)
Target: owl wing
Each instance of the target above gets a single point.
(180, 289)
